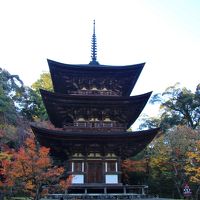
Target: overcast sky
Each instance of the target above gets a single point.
(163, 33)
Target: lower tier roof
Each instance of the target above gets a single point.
(123, 144)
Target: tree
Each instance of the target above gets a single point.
(179, 106)
(193, 166)
(169, 155)
(8, 136)
(160, 178)
(30, 169)
(11, 88)
(44, 82)
(5, 156)
(183, 106)
(17, 100)
(32, 107)
(179, 114)
(130, 167)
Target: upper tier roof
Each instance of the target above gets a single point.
(61, 107)
(66, 76)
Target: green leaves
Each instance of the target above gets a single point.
(178, 106)
(182, 106)
(44, 82)
(10, 89)
(38, 109)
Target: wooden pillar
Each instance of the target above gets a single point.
(119, 170)
(143, 192)
(85, 168)
(104, 169)
(124, 189)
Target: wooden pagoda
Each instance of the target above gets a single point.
(91, 109)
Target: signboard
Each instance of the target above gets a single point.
(186, 191)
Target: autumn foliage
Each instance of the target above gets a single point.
(175, 160)
(30, 169)
(192, 167)
(129, 166)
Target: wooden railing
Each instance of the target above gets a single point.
(121, 192)
(95, 93)
(94, 196)
(94, 126)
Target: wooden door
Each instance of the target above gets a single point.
(95, 172)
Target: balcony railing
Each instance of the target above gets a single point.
(94, 126)
(95, 93)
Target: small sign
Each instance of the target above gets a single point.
(186, 191)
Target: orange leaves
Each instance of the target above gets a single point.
(29, 185)
(2, 133)
(52, 173)
(5, 166)
(193, 164)
(134, 165)
(30, 168)
(64, 184)
(129, 166)
(31, 160)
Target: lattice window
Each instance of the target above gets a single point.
(111, 166)
(77, 166)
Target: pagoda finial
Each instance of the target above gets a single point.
(94, 47)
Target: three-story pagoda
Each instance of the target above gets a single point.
(91, 109)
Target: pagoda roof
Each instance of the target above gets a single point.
(125, 144)
(124, 109)
(127, 75)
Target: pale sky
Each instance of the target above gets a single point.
(163, 33)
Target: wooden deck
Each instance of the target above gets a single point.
(107, 188)
(93, 196)
(95, 191)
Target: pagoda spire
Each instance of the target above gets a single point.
(94, 48)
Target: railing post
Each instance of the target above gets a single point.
(124, 189)
(143, 192)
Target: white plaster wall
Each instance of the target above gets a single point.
(78, 179)
(112, 178)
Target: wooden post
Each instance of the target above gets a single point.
(143, 192)
(124, 189)
(105, 190)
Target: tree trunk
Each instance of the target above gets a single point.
(197, 193)
(176, 183)
(178, 189)
(1, 195)
(37, 194)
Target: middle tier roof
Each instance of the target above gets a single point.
(64, 109)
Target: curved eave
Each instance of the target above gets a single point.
(56, 105)
(59, 70)
(126, 143)
(89, 67)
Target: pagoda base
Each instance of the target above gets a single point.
(103, 191)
